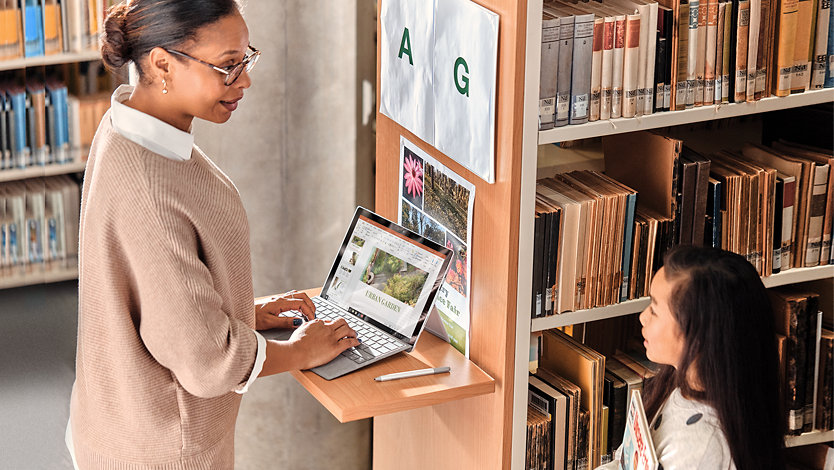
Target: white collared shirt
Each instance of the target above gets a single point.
(170, 142)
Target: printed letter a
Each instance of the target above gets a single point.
(405, 46)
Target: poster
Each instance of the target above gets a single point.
(438, 204)
(438, 76)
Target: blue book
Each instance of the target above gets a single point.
(5, 151)
(20, 151)
(829, 69)
(628, 241)
(32, 29)
(59, 124)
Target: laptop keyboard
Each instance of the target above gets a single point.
(374, 342)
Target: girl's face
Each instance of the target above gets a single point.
(198, 89)
(664, 340)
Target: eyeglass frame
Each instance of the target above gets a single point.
(250, 59)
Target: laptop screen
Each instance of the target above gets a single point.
(387, 275)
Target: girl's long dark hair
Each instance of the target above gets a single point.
(727, 322)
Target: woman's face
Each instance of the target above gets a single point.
(198, 89)
(664, 341)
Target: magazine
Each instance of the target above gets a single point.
(638, 448)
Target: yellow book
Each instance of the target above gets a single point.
(53, 36)
(10, 32)
(801, 79)
(785, 39)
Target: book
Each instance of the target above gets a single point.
(617, 408)
(554, 403)
(618, 95)
(803, 47)
(712, 227)
(549, 71)
(753, 30)
(785, 35)
(682, 73)
(727, 56)
(638, 447)
(829, 69)
(742, 28)
(607, 78)
(711, 53)
(596, 70)
(563, 97)
(823, 16)
(573, 393)
(763, 57)
(538, 436)
(692, 58)
(700, 57)
(631, 66)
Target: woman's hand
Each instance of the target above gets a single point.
(266, 312)
(318, 342)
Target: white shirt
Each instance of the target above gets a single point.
(686, 435)
(170, 142)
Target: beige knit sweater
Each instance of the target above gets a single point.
(166, 315)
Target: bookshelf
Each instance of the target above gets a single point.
(489, 431)
(58, 275)
(76, 164)
(816, 437)
(53, 59)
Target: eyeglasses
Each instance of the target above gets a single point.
(232, 72)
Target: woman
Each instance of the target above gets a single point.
(166, 314)
(715, 402)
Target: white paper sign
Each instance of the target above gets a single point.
(438, 204)
(406, 59)
(438, 65)
(466, 55)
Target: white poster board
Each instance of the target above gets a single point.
(438, 69)
(438, 204)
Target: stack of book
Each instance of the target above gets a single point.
(32, 28)
(626, 58)
(772, 204)
(38, 226)
(40, 124)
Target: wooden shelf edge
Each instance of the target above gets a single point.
(52, 59)
(813, 437)
(76, 166)
(629, 307)
(34, 279)
(675, 118)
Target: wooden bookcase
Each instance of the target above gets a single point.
(76, 165)
(488, 432)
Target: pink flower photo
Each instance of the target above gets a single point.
(413, 178)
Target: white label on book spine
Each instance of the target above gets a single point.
(580, 106)
(667, 96)
(741, 79)
(563, 107)
(783, 83)
(795, 419)
(547, 108)
(761, 78)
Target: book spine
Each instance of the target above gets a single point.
(817, 213)
(669, 71)
(829, 66)
(821, 44)
(719, 51)
(812, 341)
(692, 67)
(642, 57)
(726, 67)
(549, 73)
(631, 66)
(785, 40)
(607, 68)
(681, 83)
(700, 58)
(628, 242)
(660, 65)
(564, 79)
(651, 54)
(801, 79)
(742, 29)
(619, 66)
(583, 55)
(778, 225)
(596, 70)
(754, 23)
(763, 47)
(711, 57)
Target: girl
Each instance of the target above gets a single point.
(715, 402)
(166, 340)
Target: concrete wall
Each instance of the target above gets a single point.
(300, 150)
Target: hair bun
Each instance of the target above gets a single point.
(114, 47)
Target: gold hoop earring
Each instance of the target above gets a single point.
(164, 87)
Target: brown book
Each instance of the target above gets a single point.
(573, 392)
(742, 28)
(648, 163)
(821, 157)
(763, 47)
(801, 170)
(825, 378)
(563, 355)
(701, 190)
(681, 56)
(803, 46)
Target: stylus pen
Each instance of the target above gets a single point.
(412, 373)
